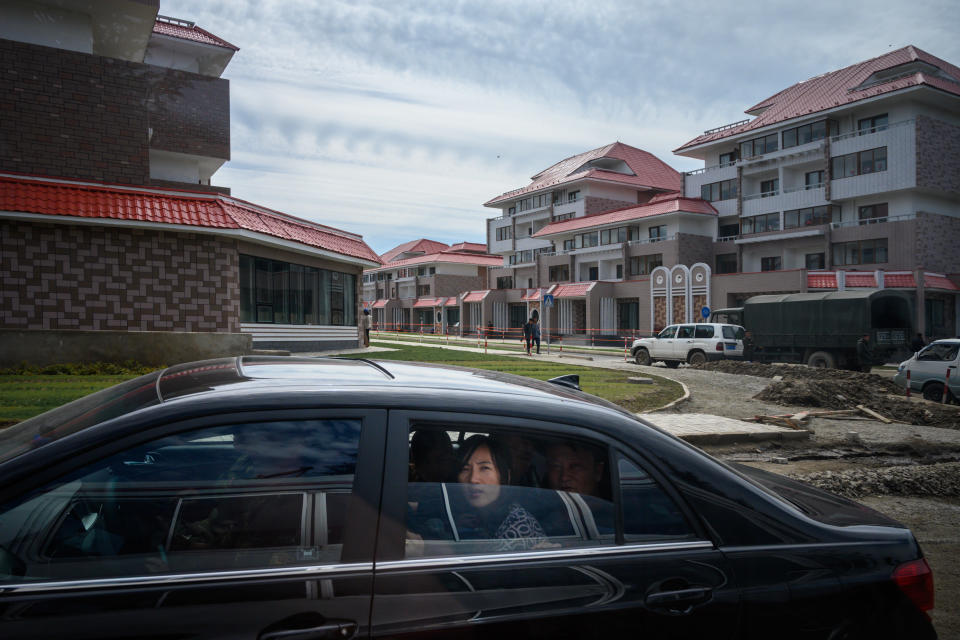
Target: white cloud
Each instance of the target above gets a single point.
(399, 118)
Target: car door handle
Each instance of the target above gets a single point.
(680, 601)
(309, 626)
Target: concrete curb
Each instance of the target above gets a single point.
(670, 405)
(710, 439)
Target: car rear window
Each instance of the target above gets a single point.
(77, 415)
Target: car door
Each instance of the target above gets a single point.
(732, 341)
(235, 526)
(620, 558)
(686, 340)
(663, 345)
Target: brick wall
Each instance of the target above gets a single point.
(937, 241)
(76, 115)
(693, 248)
(938, 155)
(107, 278)
(594, 205)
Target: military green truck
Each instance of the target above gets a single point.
(822, 329)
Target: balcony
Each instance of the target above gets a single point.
(900, 139)
(696, 179)
(868, 221)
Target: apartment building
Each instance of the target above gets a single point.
(112, 231)
(848, 179)
(421, 284)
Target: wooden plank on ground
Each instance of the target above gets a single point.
(873, 414)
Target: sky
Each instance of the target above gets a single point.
(398, 119)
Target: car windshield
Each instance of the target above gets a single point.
(77, 415)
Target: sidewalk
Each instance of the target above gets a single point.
(696, 428)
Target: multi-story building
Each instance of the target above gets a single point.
(421, 283)
(849, 179)
(113, 239)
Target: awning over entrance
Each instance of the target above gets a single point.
(426, 303)
(577, 290)
(476, 296)
(380, 304)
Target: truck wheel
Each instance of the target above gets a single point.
(642, 356)
(933, 391)
(822, 360)
(672, 364)
(696, 357)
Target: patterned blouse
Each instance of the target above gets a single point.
(519, 531)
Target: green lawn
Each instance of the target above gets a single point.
(606, 383)
(24, 396)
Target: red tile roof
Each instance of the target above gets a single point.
(935, 281)
(467, 246)
(897, 280)
(422, 245)
(839, 88)
(651, 172)
(578, 290)
(530, 295)
(426, 302)
(380, 304)
(62, 198)
(452, 302)
(821, 280)
(480, 259)
(660, 207)
(180, 29)
(852, 279)
(476, 296)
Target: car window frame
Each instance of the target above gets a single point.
(392, 530)
(359, 535)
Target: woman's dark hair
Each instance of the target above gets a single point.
(499, 453)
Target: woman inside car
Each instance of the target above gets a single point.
(483, 474)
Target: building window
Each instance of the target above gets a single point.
(807, 217)
(873, 213)
(272, 291)
(585, 240)
(726, 159)
(562, 216)
(619, 272)
(525, 256)
(855, 164)
(815, 261)
(808, 133)
(860, 252)
(512, 211)
(728, 230)
(813, 180)
(758, 146)
(725, 190)
(433, 271)
(643, 265)
(421, 271)
(727, 263)
(593, 273)
(657, 233)
(872, 125)
(769, 188)
(559, 273)
(423, 290)
(504, 233)
(569, 244)
(613, 236)
(760, 224)
(505, 282)
(573, 196)
(772, 263)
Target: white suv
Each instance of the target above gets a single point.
(693, 343)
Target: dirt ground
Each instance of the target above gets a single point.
(909, 470)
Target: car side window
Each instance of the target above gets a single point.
(686, 331)
(704, 331)
(648, 512)
(939, 353)
(240, 496)
(473, 490)
(669, 332)
(477, 491)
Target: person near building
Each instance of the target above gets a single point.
(748, 346)
(917, 343)
(528, 334)
(536, 333)
(366, 327)
(866, 354)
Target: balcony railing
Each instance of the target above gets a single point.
(763, 194)
(727, 238)
(865, 132)
(806, 187)
(858, 223)
(725, 127)
(711, 168)
(634, 243)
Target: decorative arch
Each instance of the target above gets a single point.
(681, 300)
(660, 298)
(700, 275)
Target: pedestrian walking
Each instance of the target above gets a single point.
(917, 344)
(366, 327)
(528, 334)
(536, 333)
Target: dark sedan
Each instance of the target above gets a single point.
(326, 498)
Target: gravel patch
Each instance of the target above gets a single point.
(930, 480)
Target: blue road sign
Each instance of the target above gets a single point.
(547, 300)
(705, 312)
